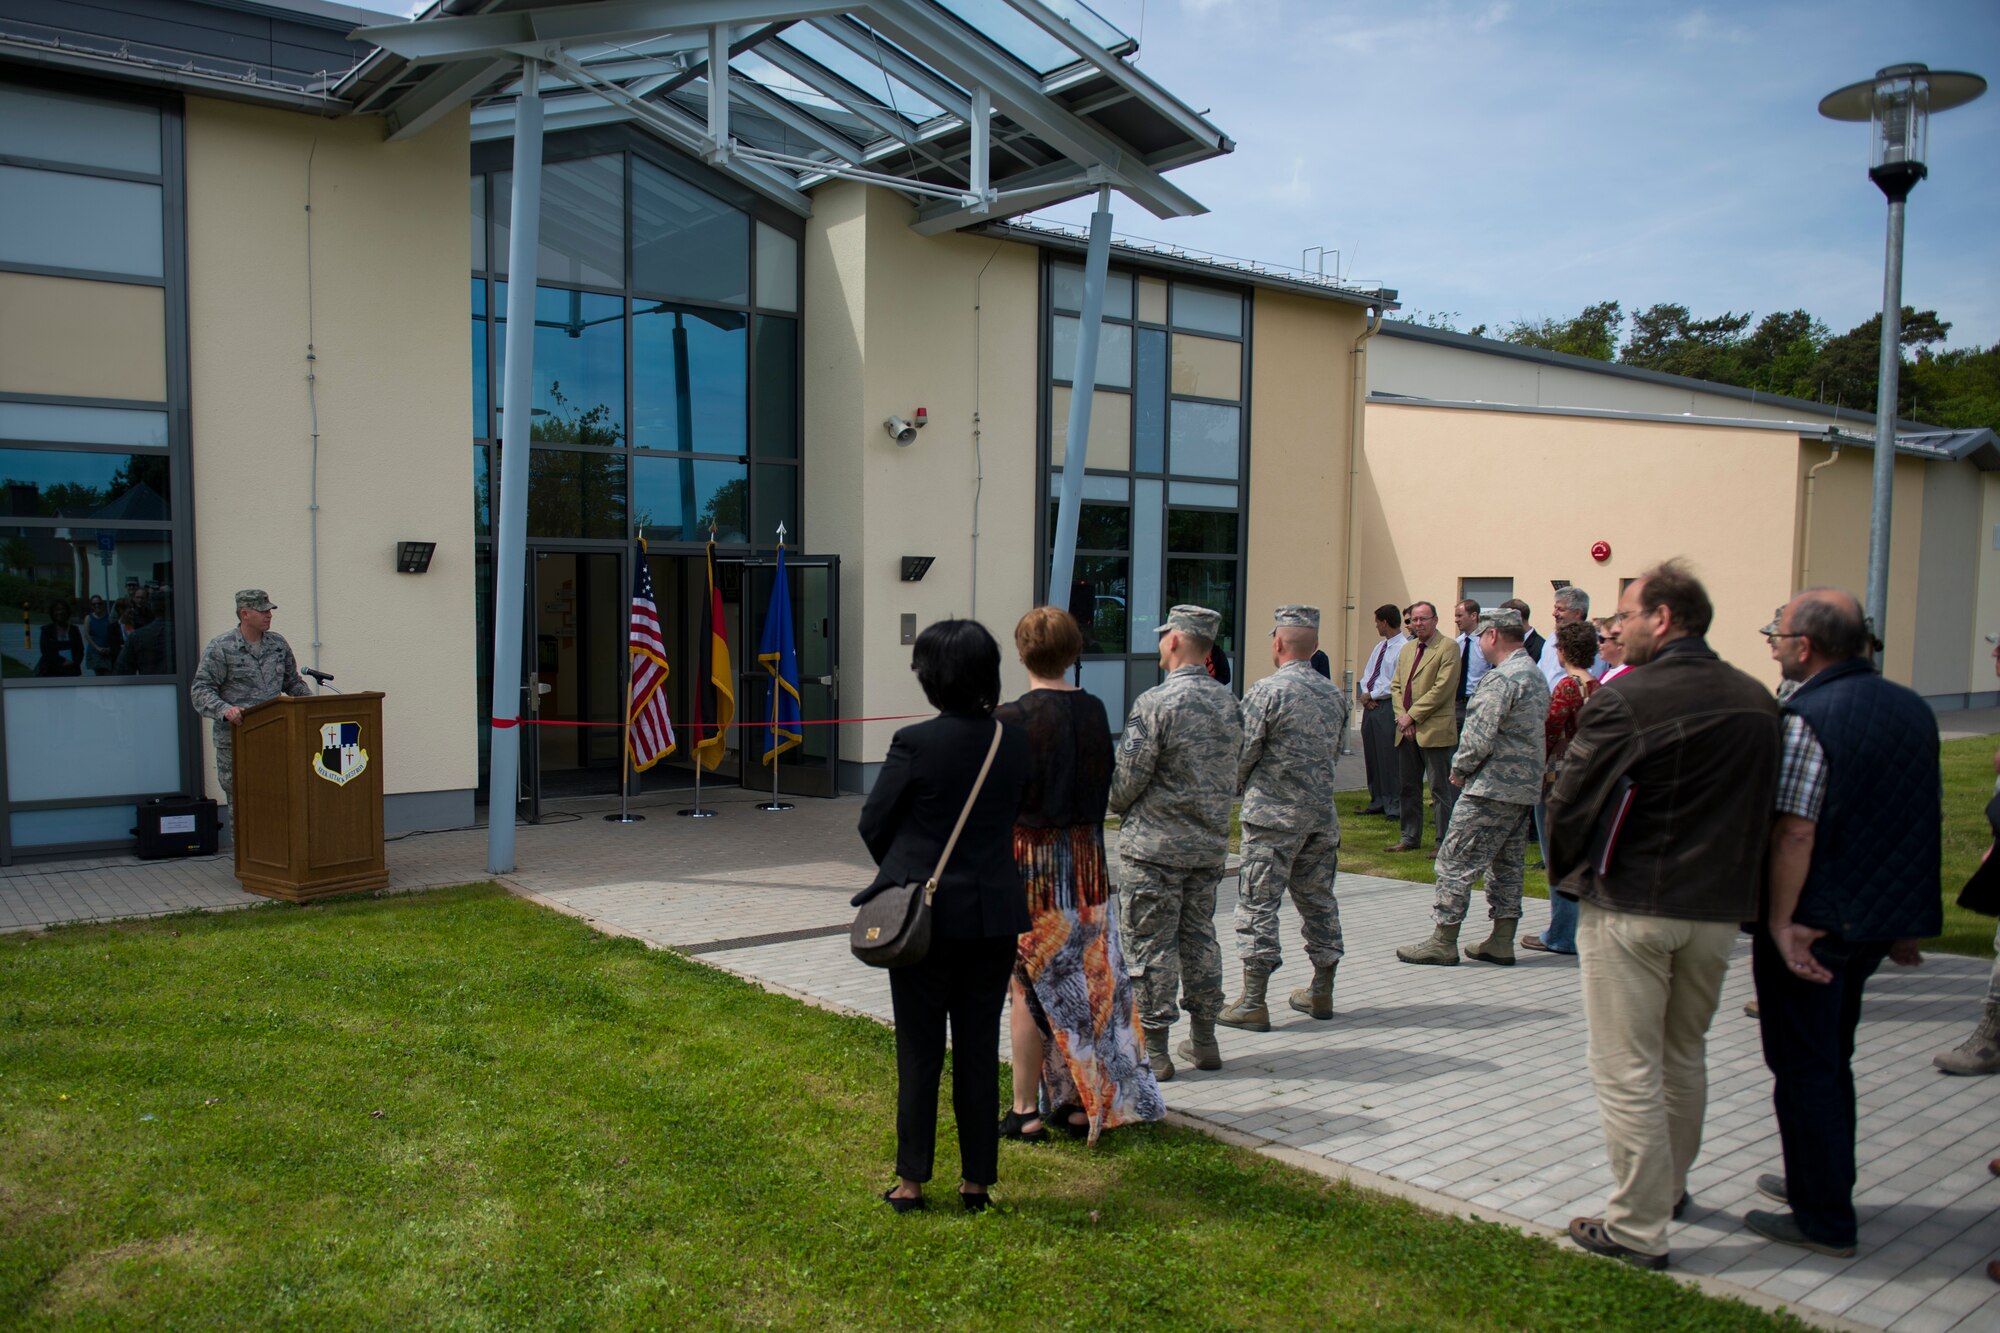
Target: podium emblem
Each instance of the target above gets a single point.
(340, 759)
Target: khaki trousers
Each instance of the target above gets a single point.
(1650, 986)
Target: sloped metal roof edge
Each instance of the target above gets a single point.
(1980, 447)
(1495, 347)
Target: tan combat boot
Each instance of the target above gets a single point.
(1250, 1012)
(1978, 1053)
(1156, 1054)
(1200, 1049)
(1498, 947)
(1317, 999)
(1441, 949)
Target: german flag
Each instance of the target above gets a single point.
(714, 690)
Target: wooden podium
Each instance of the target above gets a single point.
(308, 799)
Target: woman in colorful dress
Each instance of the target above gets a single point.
(1075, 1036)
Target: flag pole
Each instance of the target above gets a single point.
(625, 815)
(771, 733)
(697, 812)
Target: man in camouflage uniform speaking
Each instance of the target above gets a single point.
(1292, 724)
(239, 669)
(1498, 771)
(1175, 779)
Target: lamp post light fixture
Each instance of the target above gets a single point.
(1897, 104)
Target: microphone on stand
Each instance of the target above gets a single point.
(323, 677)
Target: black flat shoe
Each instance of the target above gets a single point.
(1060, 1118)
(1010, 1128)
(974, 1203)
(913, 1205)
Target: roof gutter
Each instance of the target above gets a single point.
(159, 73)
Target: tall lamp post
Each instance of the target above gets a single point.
(1897, 102)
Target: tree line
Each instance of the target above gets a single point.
(1789, 353)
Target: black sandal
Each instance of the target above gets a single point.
(1060, 1118)
(1011, 1127)
(974, 1203)
(915, 1204)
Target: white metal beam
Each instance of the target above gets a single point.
(440, 94)
(718, 94)
(607, 21)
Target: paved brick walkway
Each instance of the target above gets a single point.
(1465, 1086)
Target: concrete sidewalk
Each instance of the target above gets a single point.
(1462, 1087)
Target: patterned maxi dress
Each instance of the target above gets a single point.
(1070, 963)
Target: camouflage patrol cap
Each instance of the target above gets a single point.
(1296, 617)
(1196, 621)
(254, 599)
(1503, 618)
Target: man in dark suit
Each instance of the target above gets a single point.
(1534, 642)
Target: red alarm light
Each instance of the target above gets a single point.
(1600, 551)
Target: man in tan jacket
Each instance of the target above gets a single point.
(1422, 693)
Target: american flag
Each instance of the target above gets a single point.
(649, 734)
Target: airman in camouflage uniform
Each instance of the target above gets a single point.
(1292, 725)
(1175, 779)
(242, 667)
(1498, 770)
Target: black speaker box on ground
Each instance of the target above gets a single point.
(176, 826)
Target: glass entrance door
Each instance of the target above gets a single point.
(575, 668)
(810, 768)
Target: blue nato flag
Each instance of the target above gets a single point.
(781, 660)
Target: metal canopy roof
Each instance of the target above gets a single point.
(975, 109)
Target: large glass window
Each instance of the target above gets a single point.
(1163, 519)
(93, 682)
(661, 391)
(690, 378)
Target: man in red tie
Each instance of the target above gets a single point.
(1424, 688)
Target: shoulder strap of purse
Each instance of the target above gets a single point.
(952, 842)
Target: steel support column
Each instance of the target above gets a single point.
(510, 525)
(1888, 383)
(1083, 383)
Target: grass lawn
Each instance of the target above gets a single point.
(1968, 785)
(458, 1110)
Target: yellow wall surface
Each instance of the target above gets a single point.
(1839, 541)
(389, 255)
(895, 321)
(1301, 412)
(1448, 494)
(1986, 617)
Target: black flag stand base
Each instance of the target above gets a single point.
(697, 812)
(774, 803)
(625, 815)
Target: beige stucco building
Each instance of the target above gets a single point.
(1494, 470)
(234, 352)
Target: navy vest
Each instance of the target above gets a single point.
(1876, 850)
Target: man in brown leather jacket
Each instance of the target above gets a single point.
(1694, 743)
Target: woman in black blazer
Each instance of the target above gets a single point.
(979, 910)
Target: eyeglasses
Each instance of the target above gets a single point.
(1786, 636)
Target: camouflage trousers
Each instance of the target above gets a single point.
(1274, 859)
(1489, 838)
(1993, 982)
(1167, 917)
(225, 755)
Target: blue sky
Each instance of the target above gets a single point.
(1516, 160)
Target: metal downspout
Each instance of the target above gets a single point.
(510, 525)
(1083, 385)
(1812, 480)
(1360, 391)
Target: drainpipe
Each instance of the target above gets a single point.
(1812, 479)
(1360, 392)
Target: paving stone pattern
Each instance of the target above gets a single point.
(1469, 1082)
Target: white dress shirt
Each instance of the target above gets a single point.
(1475, 661)
(1381, 668)
(1552, 666)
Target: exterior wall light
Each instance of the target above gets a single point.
(1897, 104)
(414, 557)
(916, 566)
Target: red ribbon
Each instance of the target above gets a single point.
(503, 723)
